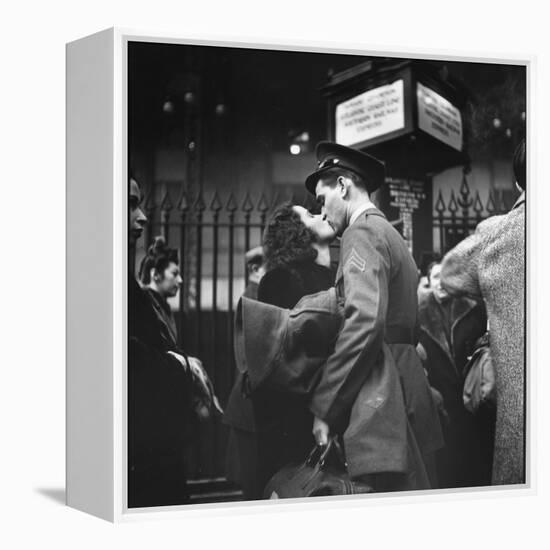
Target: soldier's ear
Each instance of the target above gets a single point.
(342, 184)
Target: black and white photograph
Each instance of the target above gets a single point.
(326, 274)
(275, 275)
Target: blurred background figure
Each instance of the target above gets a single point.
(255, 268)
(449, 329)
(491, 264)
(159, 274)
(160, 277)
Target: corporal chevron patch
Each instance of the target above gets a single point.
(355, 260)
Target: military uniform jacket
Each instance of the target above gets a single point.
(285, 350)
(377, 285)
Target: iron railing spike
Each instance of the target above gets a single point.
(166, 204)
(263, 205)
(452, 206)
(216, 204)
(478, 205)
(247, 205)
(464, 187)
(199, 204)
(231, 205)
(183, 202)
(440, 204)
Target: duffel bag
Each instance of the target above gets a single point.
(323, 473)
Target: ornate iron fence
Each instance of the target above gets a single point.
(455, 219)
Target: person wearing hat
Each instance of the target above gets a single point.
(490, 264)
(376, 283)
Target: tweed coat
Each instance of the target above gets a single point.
(377, 284)
(491, 264)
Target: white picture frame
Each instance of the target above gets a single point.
(97, 173)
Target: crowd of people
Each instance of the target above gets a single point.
(421, 386)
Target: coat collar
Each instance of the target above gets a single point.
(275, 343)
(368, 207)
(520, 201)
(430, 320)
(360, 214)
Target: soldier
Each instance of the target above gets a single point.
(376, 283)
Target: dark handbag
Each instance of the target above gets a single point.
(323, 473)
(480, 383)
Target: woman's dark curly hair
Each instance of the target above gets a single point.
(286, 239)
(159, 257)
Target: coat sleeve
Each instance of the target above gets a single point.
(365, 271)
(459, 269)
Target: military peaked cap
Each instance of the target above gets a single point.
(332, 155)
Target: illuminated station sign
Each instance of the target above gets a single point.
(439, 117)
(404, 112)
(409, 114)
(371, 114)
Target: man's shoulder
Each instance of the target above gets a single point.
(367, 241)
(372, 230)
(371, 222)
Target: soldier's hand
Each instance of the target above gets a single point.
(321, 431)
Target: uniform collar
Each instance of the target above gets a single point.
(359, 211)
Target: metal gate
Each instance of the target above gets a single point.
(456, 218)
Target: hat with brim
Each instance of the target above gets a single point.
(282, 349)
(332, 155)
